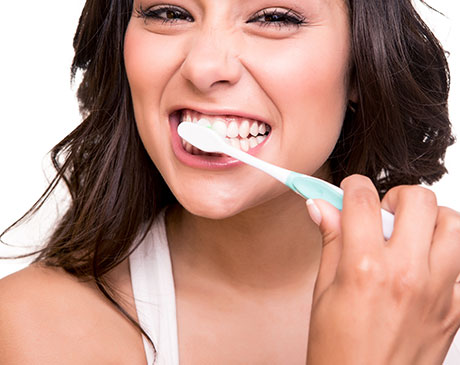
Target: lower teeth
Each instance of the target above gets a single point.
(241, 144)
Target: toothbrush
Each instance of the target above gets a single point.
(207, 140)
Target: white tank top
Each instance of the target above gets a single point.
(153, 288)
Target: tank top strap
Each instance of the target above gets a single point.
(154, 295)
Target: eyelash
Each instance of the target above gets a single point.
(285, 17)
(282, 17)
(154, 14)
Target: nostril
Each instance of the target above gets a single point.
(220, 82)
(209, 69)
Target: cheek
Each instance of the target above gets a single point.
(304, 74)
(150, 61)
(307, 80)
(316, 99)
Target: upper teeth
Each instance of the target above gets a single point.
(231, 127)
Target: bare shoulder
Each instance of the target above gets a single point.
(48, 316)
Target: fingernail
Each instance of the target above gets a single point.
(314, 212)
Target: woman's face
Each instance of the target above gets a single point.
(281, 65)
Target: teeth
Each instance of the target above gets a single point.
(204, 122)
(244, 144)
(188, 147)
(232, 130)
(235, 130)
(186, 117)
(244, 129)
(254, 129)
(235, 143)
(260, 139)
(194, 117)
(262, 128)
(220, 127)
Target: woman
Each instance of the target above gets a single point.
(167, 254)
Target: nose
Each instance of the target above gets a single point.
(211, 62)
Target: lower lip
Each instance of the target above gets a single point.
(202, 161)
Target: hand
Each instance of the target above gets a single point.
(385, 302)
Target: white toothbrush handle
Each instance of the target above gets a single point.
(388, 221)
(284, 176)
(277, 172)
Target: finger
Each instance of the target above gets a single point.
(329, 226)
(445, 250)
(361, 218)
(415, 210)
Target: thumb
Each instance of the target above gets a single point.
(327, 217)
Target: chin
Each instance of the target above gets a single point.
(221, 205)
(212, 207)
(211, 213)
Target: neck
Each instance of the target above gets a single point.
(269, 247)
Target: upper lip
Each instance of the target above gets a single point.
(223, 111)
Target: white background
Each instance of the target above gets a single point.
(38, 106)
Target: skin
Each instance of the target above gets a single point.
(220, 62)
(386, 302)
(257, 281)
(49, 317)
(297, 79)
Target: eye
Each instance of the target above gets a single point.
(278, 17)
(164, 13)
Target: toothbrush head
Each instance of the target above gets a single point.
(203, 138)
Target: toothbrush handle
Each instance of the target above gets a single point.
(312, 188)
(388, 222)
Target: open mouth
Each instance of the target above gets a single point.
(241, 133)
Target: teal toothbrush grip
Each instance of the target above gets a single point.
(313, 188)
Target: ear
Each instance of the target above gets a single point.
(353, 97)
(352, 89)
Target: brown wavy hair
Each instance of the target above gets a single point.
(396, 133)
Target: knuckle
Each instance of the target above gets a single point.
(357, 179)
(365, 197)
(451, 316)
(369, 275)
(452, 226)
(449, 326)
(330, 236)
(407, 283)
(367, 271)
(420, 195)
(360, 190)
